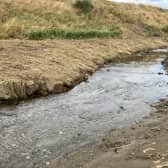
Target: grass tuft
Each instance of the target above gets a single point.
(152, 31)
(165, 29)
(75, 19)
(72, 34)
(83, 5)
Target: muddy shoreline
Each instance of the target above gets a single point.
(38, 82)
(142, 145)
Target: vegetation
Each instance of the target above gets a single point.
(165, 29)
(83, 5)
(72, 34)
(43, 19)
(152, 31)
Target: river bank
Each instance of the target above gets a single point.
(36, 132)
(141, 145)
(38, 68)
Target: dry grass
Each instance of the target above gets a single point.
(43, 67)
(22, 16)
(28, 68)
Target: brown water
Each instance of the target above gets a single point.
(35, 132)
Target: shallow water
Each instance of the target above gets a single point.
(35, 132)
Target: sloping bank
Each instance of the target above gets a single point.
(39, 68)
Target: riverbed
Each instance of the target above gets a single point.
(35, 132)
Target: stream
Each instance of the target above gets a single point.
(35, 132)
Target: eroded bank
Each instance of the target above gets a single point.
(36, 132)
(30, 68)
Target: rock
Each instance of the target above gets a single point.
(146, 136)
(58, 87)
(115, 150)
(160, 73)
(68, 85)
(31, 88)
(60, 132)
(121, 107)
(133, 128)
(28, 157)
(155, 129)
(85, 77)
(47, 163)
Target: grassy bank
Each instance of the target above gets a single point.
(39, 68)
(43, 19)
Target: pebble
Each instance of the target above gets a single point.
(155, 129)
(116, 150)
(47, 163)
(60, 132)
(13, 145)
(153, 143)
(160, 73)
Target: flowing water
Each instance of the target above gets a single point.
(35, 132)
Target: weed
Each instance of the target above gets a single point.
(165, 29)
(152, 31)
(83, 5)
(72, 34)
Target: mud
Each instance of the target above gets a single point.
(142, 145)
(34, 133)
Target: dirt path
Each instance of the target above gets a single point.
(143, 145)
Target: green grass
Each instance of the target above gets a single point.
(83, 5)
(72, 34)
(151, 30)
(165, 29)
